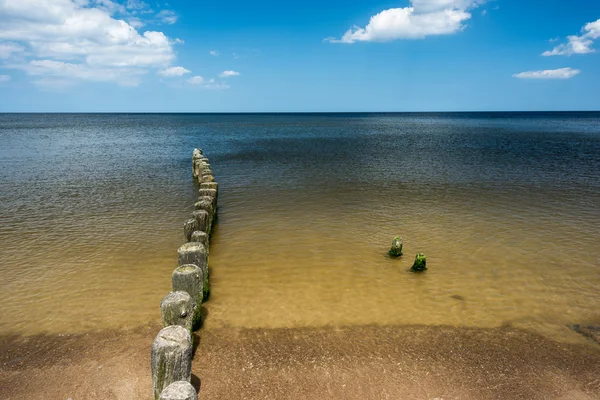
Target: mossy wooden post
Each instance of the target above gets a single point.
(207, 178)
(206, 203)
(209, 185)
(396, 250)
(179, 390)
(171, 358)
(193, 253)
(202, 219)
(196, 157)
(420, 264)
(212, 193)
(201, 237)
(189, 227)
(190, 278)
(179, 308)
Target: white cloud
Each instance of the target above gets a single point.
(8, 49)
(561, 73)
(214, 53)
(167, 16)
(196, 80)
(174, 71)
(136, 22)
(211, 84)
(217, 86)
(80, 39)
(60, 70)
(4, 78)
(423, 18)
(578, 44)
(227, 74)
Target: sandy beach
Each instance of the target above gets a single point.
(365, 362)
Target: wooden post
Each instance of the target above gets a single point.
(190, 279)
(179, 390)
(171, 358)
(179, 308)
(201, 237)
(203, 219)
(193, 253)
(189, 227)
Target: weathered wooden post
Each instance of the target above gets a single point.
(189, 227)
(420, 264)
(212, 193)
(201, 237)
(207, 178)
(195, 253)
(396, 250)
(171, 358)
(202, 219)
(206, 203)
(209, 185)
(192, 253)
(179, 390)
(190, 279)
(179, 308)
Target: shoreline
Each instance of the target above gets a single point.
(420, 362)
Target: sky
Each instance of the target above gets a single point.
(308, 56)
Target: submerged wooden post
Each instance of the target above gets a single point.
(190, 279)
(171, 358)
(420, 264)
(179, 308)
(179, 390)
(396, 250)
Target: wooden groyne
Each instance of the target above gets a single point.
(171, 356)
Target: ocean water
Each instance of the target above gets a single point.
(506, 206)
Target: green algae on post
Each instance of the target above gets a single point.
(396, 250)
(420, 263)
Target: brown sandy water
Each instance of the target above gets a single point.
(506, 208)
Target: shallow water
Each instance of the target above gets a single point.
(506, 207)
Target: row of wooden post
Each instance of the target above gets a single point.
(171, 357)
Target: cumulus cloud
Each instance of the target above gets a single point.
(577, 44)
(82, 40)
(423, 18)
(174, 71)
(561, 73)
(213, 53)
(167, 17)
(196, 80)
(4, 78)
(227, 74)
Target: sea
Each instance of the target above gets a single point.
(505, 206)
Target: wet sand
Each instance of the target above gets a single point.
(363, 362)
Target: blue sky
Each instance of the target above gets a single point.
(240, 56)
